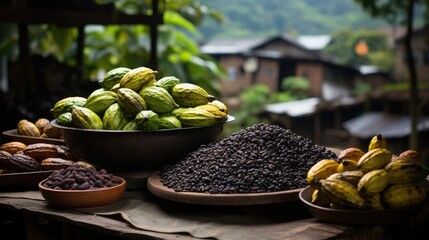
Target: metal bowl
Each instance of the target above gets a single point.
(136, 151)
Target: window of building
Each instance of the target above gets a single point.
(426, 57)
(268, 71)
(232, 73)
(415, 56)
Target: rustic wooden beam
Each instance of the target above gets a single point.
(74, 18)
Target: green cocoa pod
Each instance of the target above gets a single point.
(197, 117)
(65, 119)
(65, 104)
(138, 78)
(147, 120)
(85, 118)
(168, 122)
(113, 77)
(130, 101)
(158, 99)
(131, 125)
(190, 95)
(167, 83)
(100, 101)
(114, 118)
(96, 92)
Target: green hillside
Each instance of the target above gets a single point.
(250, 18)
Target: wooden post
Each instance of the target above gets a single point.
(79, 53)
(154, 36)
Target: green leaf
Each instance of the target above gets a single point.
(176, 19)
(63, 39)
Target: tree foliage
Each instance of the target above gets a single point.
(344, 42)
(107, 47)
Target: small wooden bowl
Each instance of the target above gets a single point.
(83, 198)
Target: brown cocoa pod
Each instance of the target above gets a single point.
(64, 152)
(28, 128)
(52, 132)
(4, 159)
(40, 151)
(12, 147)
(23, 163)
(41, 123)
(55, 163)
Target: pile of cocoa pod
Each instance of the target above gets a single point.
(133, 99)
(16, 157)
(376, 179)
(40, 128)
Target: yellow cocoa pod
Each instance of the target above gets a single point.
(373, 201)
(374, 181)
(85, 118)
(352, 177)
(138, 78)
(322, 170)
(375, 159)
(377, 141)
(215, 111)
(194, 117)
(318, 198)
(405, 171)
(347, 165)
(190, 95)
(220, 105)
(404, 195)
(341, 193)
(28, 128)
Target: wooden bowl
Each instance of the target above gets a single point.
(12, 135)
(83, 198)
(361, 217)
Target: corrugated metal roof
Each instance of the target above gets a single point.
(314, 42)
(230, 46)
(296, 108)
(390, 126)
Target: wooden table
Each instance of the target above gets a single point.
(35, 219)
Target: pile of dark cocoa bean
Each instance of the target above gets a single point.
(261, 158)
(80, 177)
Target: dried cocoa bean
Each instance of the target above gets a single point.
(80, 177)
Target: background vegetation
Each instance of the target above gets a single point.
(255, 18)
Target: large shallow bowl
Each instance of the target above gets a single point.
(12, 135)
(134, 151)
(83, 198)
(358, 217)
